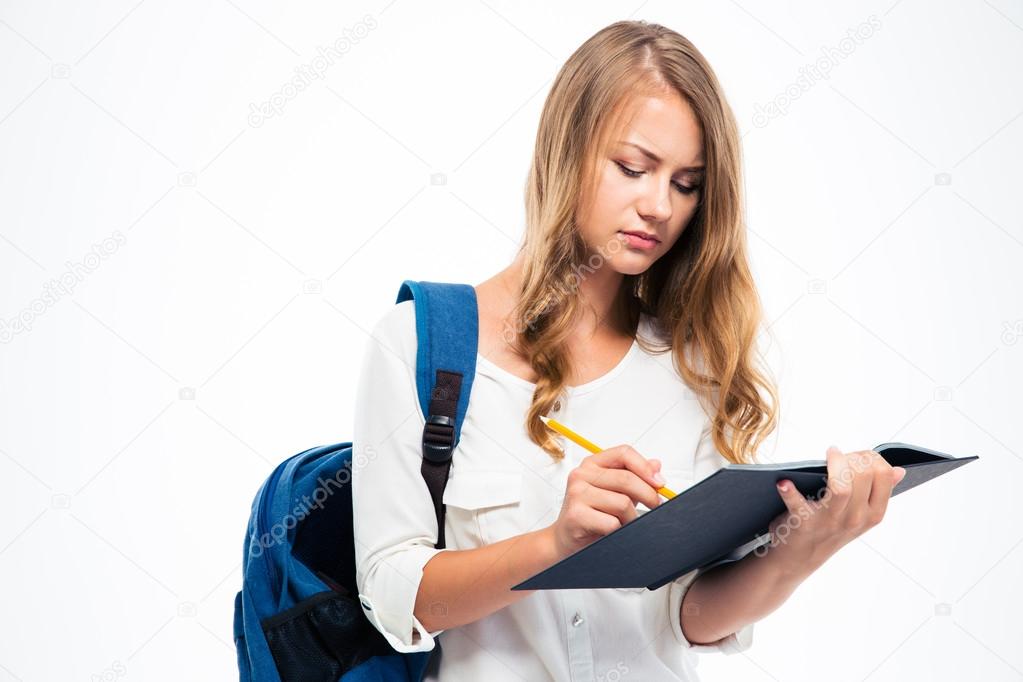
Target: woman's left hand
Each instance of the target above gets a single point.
(810, 531)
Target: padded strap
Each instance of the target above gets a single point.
(447, 333)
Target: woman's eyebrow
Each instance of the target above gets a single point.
(653, 157)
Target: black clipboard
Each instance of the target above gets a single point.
(720, 519)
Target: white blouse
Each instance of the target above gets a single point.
(502, 484)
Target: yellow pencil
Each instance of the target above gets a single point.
(576, 438)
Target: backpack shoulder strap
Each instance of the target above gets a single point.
(447, 333)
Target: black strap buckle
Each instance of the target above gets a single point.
(438, 438)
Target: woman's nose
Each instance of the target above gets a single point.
(656, 202)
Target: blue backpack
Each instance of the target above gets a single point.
(297, 616)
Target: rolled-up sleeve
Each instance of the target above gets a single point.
(394, 522)
(706, 461)
(732, 644)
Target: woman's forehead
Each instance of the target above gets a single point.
(657, 125)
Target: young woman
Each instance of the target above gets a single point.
(629, 313)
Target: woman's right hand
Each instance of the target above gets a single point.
(601, 496)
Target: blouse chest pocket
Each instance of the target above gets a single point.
(483, 506)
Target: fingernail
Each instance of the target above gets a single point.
(658, 479)
(783, 486)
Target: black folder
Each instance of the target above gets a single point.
(720, 519)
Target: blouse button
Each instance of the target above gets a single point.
(577, 620)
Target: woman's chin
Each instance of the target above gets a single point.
(632, 264)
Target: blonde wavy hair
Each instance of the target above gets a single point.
(701, 292)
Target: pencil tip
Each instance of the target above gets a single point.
(543, 419)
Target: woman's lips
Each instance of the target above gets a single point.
(637, 241)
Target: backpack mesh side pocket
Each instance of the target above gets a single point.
(321, 638)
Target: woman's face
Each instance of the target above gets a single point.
(648, 182)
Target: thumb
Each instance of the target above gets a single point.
(793, 499)
(655, 463)
(899, 474)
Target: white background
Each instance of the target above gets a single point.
(142, 407)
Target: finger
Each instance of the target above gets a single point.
(899, 473)
(626, 457)
(622, 481)
(596, 523)
(611, 503)
(885, 479)
(839, 481)
(862, 465)
(793, 499)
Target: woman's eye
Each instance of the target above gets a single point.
(682, 189)
(628, 171)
